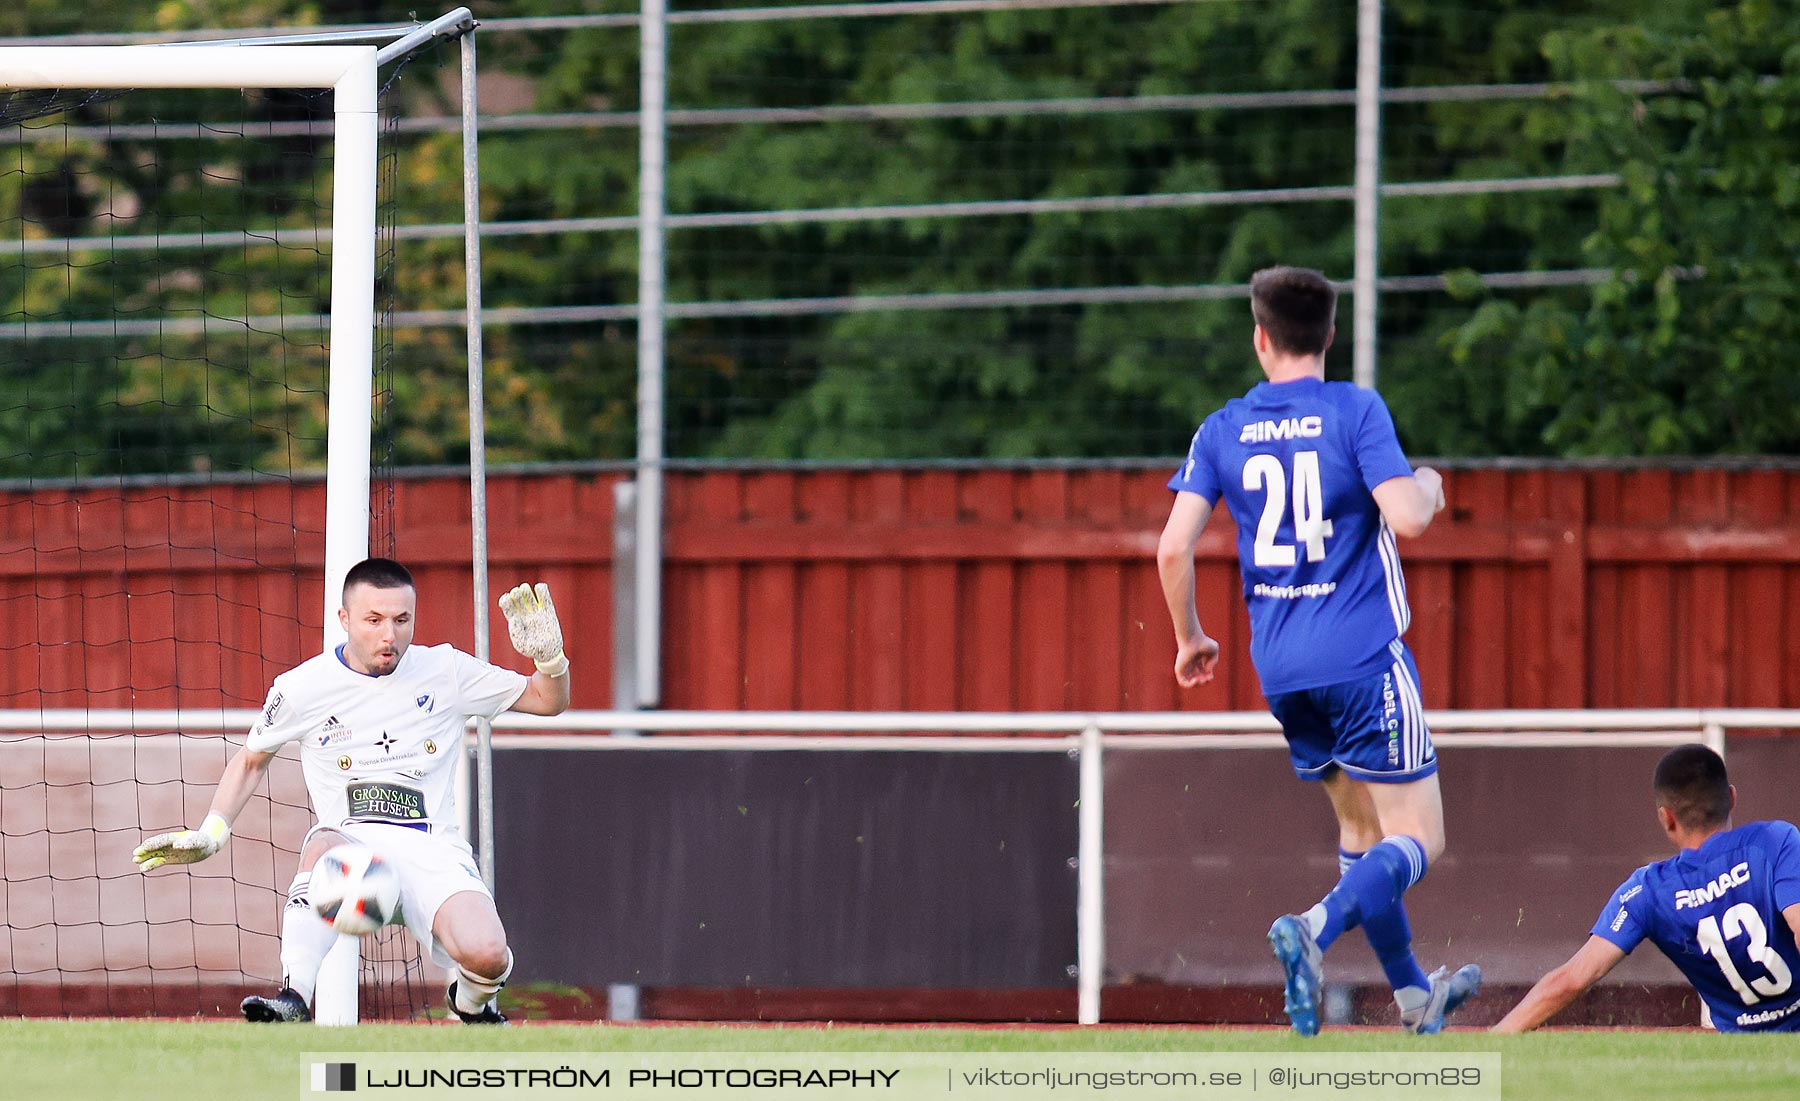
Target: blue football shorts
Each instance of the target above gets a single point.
(1372, 727)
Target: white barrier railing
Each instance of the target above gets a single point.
(1086, 734)
(200, 720)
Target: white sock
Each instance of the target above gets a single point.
(305, 938)
(1411, 1000)
(474, 992)
(1315, 920)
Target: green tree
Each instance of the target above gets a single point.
(1685, 348)
(1675, 353)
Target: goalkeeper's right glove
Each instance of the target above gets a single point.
(535, 631)
(182, 846)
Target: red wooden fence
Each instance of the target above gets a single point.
(927, 588)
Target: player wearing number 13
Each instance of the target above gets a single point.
(1725, 909)
(1315, 479)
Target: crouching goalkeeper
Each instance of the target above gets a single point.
(380, 724)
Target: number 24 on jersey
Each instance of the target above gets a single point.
(1311, 528)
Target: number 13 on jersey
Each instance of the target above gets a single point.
(1265, 472)
(1744, 919)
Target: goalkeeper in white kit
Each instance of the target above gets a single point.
(380, 724)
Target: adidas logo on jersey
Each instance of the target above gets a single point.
(1700, 896)
(333, 732)
(1290, 428)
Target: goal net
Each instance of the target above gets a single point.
(192, 376)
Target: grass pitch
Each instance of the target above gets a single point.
(202, 1060)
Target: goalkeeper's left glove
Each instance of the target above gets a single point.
(536, 632)
(182, 846)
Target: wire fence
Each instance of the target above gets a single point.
(947, 228)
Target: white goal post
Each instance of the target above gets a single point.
(349, 71)
(348, 66)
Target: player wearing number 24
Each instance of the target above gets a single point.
(1725, 909)
(1314, 477)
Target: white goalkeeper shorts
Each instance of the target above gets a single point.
(432, 867)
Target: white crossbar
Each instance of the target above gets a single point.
(185, 67)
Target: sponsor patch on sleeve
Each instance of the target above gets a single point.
(272, 708)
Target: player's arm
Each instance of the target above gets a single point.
(536, 633)
(242, 775)
(1195, 654)
(1792, 914)
(1555, 991)
(543, 695)
(1408, 503)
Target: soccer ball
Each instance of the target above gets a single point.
(355, 891)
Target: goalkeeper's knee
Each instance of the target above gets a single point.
(485, 957)
(474, 991)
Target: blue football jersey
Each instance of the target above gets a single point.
(1716, 912)
(1295, 463)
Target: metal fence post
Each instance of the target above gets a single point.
(652, 155)
(1090, 920)
(1368, 189)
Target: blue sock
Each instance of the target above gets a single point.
(1390, 935)
(1372, 884)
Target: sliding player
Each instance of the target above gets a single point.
(1725, 909)
(380, 723)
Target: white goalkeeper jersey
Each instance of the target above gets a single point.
(383, 749)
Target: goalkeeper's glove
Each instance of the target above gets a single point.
(182, 846)
(536, 633)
